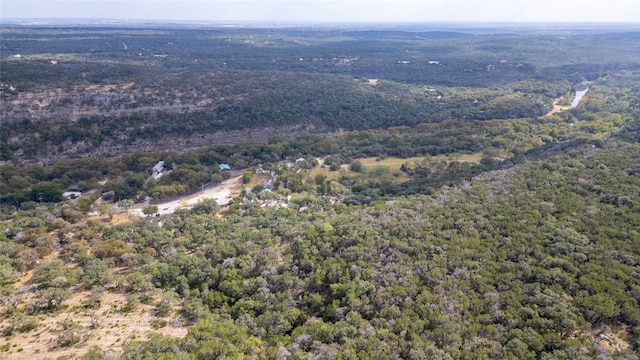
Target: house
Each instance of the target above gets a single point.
(224, 202)
(264, 192)
(223, 167)
(72, 193)
(108, 196)
(260, 170)
(157, 170)
(158, 167)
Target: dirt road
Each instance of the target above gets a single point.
(222, 193)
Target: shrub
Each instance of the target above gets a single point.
(68, 338)
(20, 324)
(131, 303)
(96, 272)
(207, 206)
(48, 299)
(95, 299)
(355, 166)
(150, 210)
(111, 249)
(46, 193)
(69, 334)
(46, 272)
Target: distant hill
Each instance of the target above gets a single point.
(405, 35)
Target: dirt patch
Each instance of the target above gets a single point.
(24, 279)
(614, 341)
(258, 179)
(558, 108)
(221, 192)
(107, 327)
(120, 218)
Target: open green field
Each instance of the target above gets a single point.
(324, 169)
(393, 163)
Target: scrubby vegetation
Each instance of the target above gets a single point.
(494, 229)
(112, 91)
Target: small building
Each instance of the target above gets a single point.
(108, 196)
(264, 192)
(157, 170)
(223, 167)
(260, 170)
(158, 167)
(73, 192)
(71, 195)
(224, 202)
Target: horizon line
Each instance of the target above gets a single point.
(3, 21)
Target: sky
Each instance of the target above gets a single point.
(334, 11)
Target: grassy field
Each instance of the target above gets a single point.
(394, 163)
(324, 169)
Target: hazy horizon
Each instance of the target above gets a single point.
(328, 11)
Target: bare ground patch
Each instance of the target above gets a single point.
(107, 327)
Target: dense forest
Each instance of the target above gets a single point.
(392, 204)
